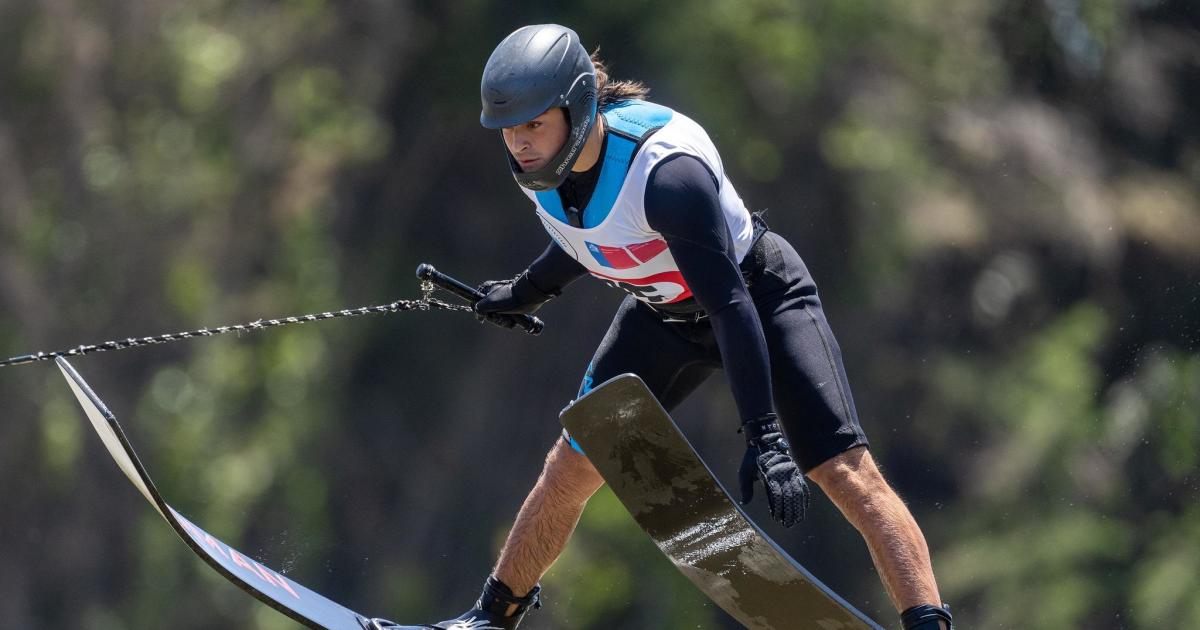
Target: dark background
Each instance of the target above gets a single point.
(998, 199)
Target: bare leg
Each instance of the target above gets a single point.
(855, 485)
(547, 518)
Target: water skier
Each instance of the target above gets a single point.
(636, 195)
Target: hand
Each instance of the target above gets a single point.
(503, 299)
(769, 460)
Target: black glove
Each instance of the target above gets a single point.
(502, 299)
(768, 460)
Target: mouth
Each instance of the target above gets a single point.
(527, 163)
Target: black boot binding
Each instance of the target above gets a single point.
(927, 617)
(488, 613)
(489, 610)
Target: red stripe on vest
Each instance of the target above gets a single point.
(617, 257)
(671, 277)
(648, 250)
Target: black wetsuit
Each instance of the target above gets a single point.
(760, 318)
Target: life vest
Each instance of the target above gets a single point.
(615, 242)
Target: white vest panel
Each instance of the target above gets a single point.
(616, 244)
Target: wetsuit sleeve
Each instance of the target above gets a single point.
(682, 203)
(551, 272)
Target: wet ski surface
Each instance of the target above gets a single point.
(673, 496)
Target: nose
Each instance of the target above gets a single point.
(516, 139)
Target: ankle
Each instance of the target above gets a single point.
(927, 617)
(511, 582)
(498, 598)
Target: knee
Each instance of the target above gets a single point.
(852, 478)
(571, 471)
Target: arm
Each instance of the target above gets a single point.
(553, 270)
(682, 203)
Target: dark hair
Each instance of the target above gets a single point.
(612, 91)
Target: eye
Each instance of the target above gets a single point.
(534, 124)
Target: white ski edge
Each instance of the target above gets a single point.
(101, 419)
(224, 559)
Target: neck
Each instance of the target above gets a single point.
(591, 149)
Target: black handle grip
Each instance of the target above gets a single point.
(425, 271)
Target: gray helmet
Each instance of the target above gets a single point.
(534, 69)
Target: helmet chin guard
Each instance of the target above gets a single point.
(534, 69)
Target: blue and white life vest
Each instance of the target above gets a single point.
(616, 244)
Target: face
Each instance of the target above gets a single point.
(533, 143)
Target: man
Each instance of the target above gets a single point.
(636, 195)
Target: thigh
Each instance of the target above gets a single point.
(639, 342)
(812, 393)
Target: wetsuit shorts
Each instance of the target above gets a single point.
(812, 394)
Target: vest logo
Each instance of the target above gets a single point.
(626, 257)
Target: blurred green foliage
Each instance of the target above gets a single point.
(999, 201)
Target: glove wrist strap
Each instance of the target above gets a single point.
(756, 428)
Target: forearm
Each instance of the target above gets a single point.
(744, 354)
(553, 270)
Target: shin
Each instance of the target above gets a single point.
(547, 518)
